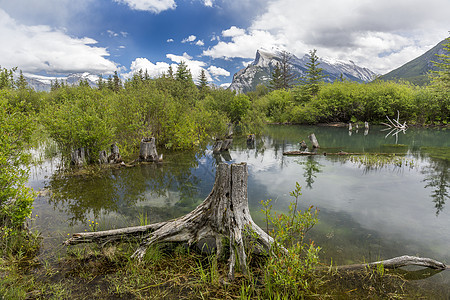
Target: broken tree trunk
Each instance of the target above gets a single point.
(223, 214)
(78, 157)
(313, 139)
(147, 151)
(114, 157)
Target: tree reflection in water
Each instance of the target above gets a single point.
(437, 177)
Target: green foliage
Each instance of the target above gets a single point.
(79, 117)
(291, 273)
(15, 198)
(6, 78)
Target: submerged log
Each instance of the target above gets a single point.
(398, 262)
(147, 150)
(336, 153)
(313, 139)
(223, 214)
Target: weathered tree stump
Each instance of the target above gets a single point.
(223, 214)
(366, 125)
(78, 157)
(350, 128)
(313, 139)
(251, 138)
(102, 157)
(147, 151)
(220, 146)
(303, 145)
(114, 157)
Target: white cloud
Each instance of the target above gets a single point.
(208, 3)
(42, 48)
(216, 71)
(225, 85)
(112, 33)
(233, 31)
(170, 40)
(381, 34)
(122, 47)
(200, 43)
(153, 70)
(155, 6)
(189, 39)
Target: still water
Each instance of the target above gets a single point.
(366, 212)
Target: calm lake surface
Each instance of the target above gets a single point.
(366, 213)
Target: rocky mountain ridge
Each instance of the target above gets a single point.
(260, 70)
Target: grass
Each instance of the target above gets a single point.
(174, 272)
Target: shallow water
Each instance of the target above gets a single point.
(365, 213)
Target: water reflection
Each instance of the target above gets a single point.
(311, 167)
(437, 178)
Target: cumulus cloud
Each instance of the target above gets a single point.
(216, 71)
(189, 39)
(155, 6)
(42, 48)
(200, 43)
(170, 40)
(381, 34)
(153, 69)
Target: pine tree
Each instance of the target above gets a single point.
(202, 80)
(287, 75)
(276, 80)
(117, 85)
(100, 83)
(183, 73)
(21, 82)
(314, 74)
(170, 72)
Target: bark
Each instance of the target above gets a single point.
(102, 157)
(78, 157)
(313, 139)
(114, 157)
(147, 151)
(223, 214)
(398, 262)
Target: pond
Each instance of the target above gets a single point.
(367, 212)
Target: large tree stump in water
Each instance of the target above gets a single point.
(223, 214)
(313, 139)
(114, 157)
(147, 151)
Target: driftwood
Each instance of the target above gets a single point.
(147, 150)
(300, 153)
(223, 214)
(398, 262)
(313, 139)
(220, 146)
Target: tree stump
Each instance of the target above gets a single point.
(223, 214)
(114, 157)
(102, 157)
(147, 151)
(217, 146)
(303, 145)
(78, 157)
(350, 127)
(220, 146)
(313, 139)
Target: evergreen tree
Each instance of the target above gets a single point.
(117, 85)
(202, 80)
(170, 72)
(314, 74)
(287, 75)
(276, 80)
(6, 78)
(110, 83)
(21, 82)
(183, 74)
(100, 83)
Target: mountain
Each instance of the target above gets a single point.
(260, 70)
(43, 83)
(417, 69)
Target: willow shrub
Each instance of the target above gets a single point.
(15, 198)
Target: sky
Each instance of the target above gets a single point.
(60, 37)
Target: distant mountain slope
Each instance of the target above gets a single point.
(260, 70)
(43, 83)
(417, 69)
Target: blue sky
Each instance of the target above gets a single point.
(58, 37)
